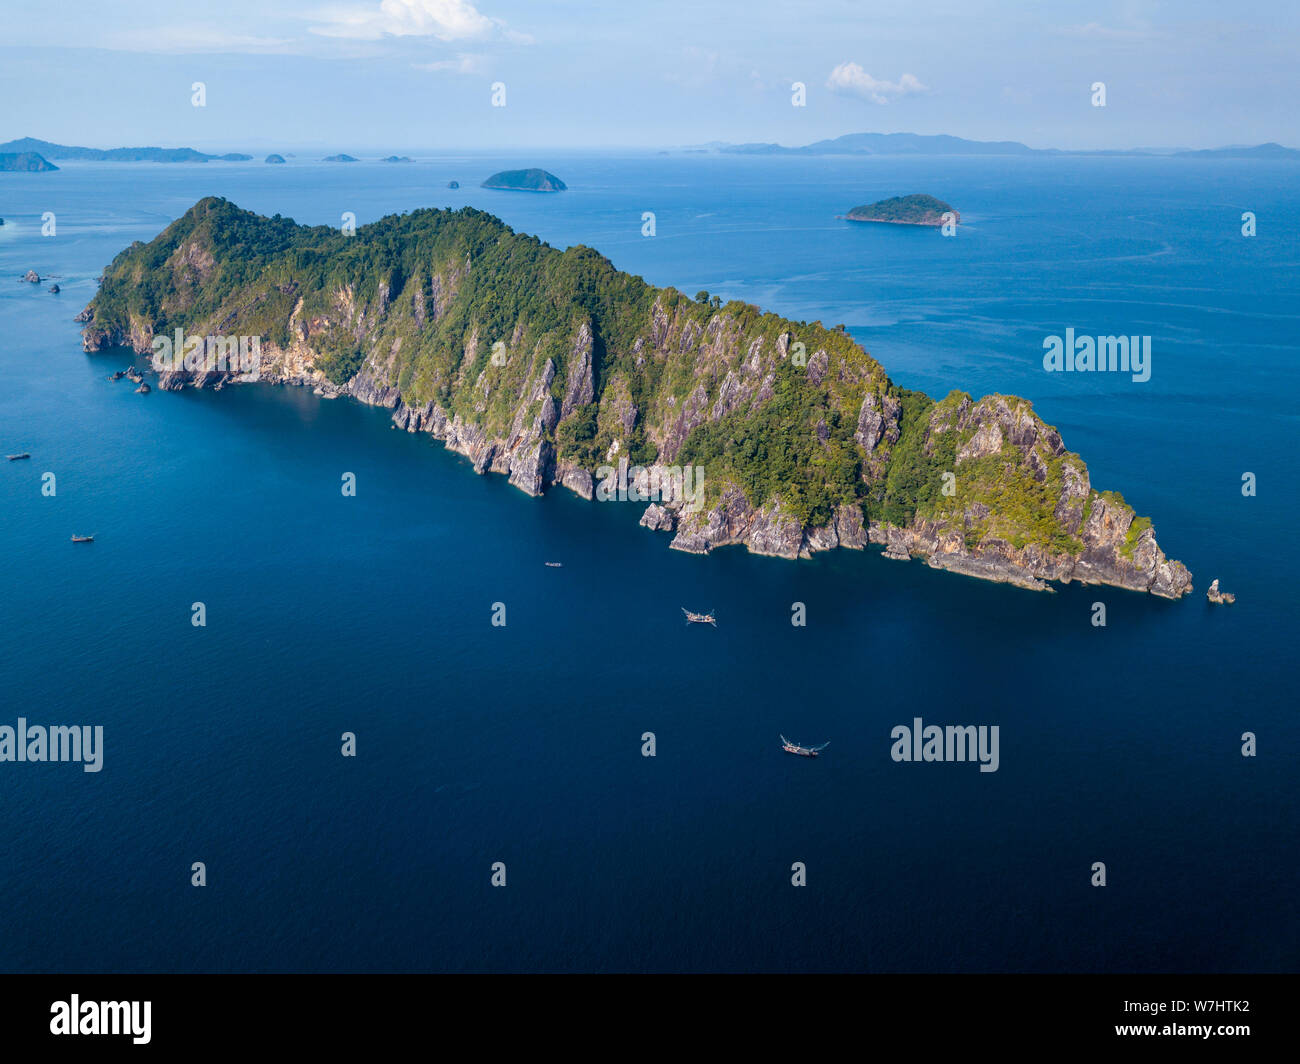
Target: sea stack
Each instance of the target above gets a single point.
(1225, 598)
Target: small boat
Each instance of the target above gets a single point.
(554, 565)
(801, 751)
(83, 539)
(16, 457)
(700, 618)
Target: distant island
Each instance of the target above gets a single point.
(26, 161)
(554, 368)
(453, 184)
(117, 155)
(916, 209)
(339, 159)
(397, 159)
(533, 180)
(275, 160)
(943, 144)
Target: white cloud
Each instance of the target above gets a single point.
(849, 79)
(447, 20)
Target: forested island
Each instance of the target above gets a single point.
(917, 209)
(532, 180)
(547, 365)
(25, 162)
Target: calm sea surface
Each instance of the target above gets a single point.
(522, 744)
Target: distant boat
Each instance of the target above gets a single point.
(554, 565)
(83, 539)
(16, 457)
(801, 751)
(700, 618)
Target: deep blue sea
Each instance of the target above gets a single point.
(522, 744)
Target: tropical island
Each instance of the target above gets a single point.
(547, 365)
(917, 209)
(25, 162)
(532, 180)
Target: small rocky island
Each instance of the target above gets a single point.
(397, 159)
(917, 209)
(275, 160)
(1219, 597)
(340, 159)
(531, 180)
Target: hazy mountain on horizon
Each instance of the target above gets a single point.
(945, 144)
(51, 150)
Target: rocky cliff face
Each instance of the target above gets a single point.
(802, 441)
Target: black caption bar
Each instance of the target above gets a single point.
(141, 1014)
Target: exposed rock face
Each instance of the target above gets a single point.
(32, 277)
(984, 488)
(1218, 597)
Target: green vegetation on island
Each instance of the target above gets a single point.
(532, 180)
(454, 311)
(916, 209)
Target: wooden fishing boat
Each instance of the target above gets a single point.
(801, 751)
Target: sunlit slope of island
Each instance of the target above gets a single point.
(546, 365)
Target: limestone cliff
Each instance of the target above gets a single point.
(552, 367)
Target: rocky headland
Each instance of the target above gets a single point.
(551, 367)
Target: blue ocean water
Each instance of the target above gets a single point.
(522, 744)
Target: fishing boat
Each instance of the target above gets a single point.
(700, 618)
(801, 751)
(83, 539)
(554, 565)
(15, 457)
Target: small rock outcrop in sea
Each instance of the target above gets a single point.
(275, 160)
(340, 159)
(453, 184)
(1218, 597)
(55, 289)
(32, 277)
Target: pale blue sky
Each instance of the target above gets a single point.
(358, 75)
